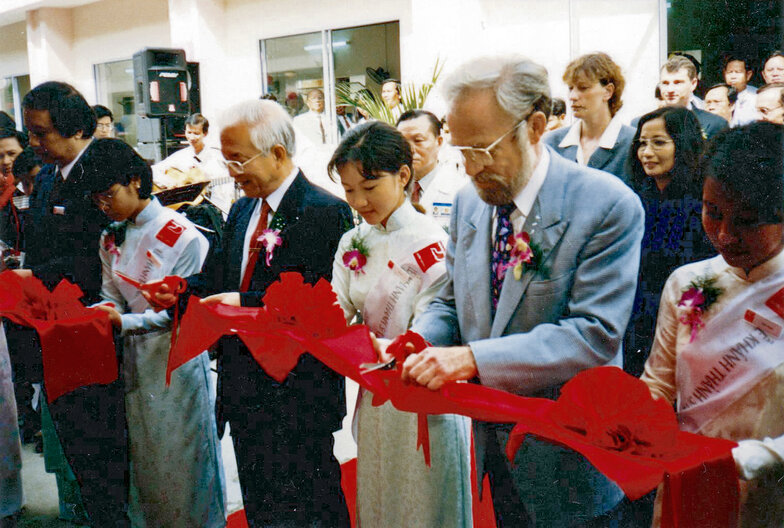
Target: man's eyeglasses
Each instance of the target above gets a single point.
(237, 167)
(655, 144)
(484, 155)
(105, 126)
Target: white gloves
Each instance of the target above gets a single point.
(753, 458)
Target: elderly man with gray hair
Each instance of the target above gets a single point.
(282, 432)
(530, 330)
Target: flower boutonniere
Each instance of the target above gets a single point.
(356, 256)
(525, 255)
(113, 238)
(696, 299)
(270, 238)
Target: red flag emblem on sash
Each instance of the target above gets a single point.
(170, 233)
(429, 255)
(776, 302)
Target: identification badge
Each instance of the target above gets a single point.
(442, 210)
(762, 323)
(397, 270)
(170, 233)
(58, 210)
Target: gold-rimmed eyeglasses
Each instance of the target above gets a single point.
(237, 167)
(484, 155)
(655, 144)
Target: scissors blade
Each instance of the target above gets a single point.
(370, 367)
(129, 280)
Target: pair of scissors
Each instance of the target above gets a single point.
(364, 368)
(177, 285)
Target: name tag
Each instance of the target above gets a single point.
(58, 210)
(762, 323)
(442, 209)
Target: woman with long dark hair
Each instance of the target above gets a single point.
(664, 164)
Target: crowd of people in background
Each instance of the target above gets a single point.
(627, 220)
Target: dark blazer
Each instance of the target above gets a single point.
(62, 241)
(711, 123)
(64, 231)
(289, 423)
(609, 160)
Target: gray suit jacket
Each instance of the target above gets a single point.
(546, 329)
(610, 160)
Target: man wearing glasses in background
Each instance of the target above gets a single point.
(104, 122)
(770, 103)
(529, 333)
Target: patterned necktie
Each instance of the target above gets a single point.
(501, 250)
(255, 247)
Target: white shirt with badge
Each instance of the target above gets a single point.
(439, 188)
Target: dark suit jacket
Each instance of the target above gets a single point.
(64, 232)
(711, 123)
(298, 415)
(609, 160)
(62, 241)
(58, 246)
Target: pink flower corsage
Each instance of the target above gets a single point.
(109, 246)
(695, 300)
(525, 255)
(356, 256)
(269, 240)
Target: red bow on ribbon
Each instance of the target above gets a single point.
(77, 344)
(603, 413)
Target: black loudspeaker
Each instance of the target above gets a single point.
(161, 81)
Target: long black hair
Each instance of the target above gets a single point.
(684, 129)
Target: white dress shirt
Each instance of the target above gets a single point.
(607, 140)
(273, 200)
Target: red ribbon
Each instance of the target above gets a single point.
(77, 344)
(604, 414)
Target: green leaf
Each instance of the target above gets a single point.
(368, 98)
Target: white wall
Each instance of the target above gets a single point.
(113, 30)
(223, 36)
(249, 21)
(628, 30)
(13, 50)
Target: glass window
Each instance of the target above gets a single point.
(12, 91)
(295, 65)
(114, 89)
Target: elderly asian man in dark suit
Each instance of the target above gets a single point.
(282, 432)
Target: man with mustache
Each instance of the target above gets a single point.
(529, 332)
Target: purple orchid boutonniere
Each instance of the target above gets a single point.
(356, 256)
(269, 240)
(525, 255)
(701, 293)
